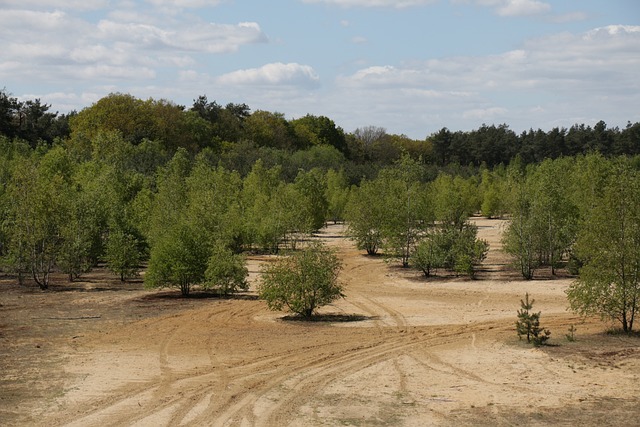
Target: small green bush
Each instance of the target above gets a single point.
(528, 324)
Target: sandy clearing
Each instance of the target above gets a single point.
(439, 351)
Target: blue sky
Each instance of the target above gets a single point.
(410, 66)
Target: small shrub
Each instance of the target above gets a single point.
(528, 324)
(303, 281)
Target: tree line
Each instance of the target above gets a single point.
(240, 136)
(188, 193)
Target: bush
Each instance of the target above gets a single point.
(179, 259)
(303, 281)
(450, 247)
(226, 272)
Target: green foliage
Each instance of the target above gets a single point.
(317, 130)
(390, 211)
(365, 216)
(406, 207)
(454, 199)
(554, 215)
(445, 246)
(171, 199)
(133, 170)
(493, 194)
(178, 259)
(323, 157)
(261, 224)
(81, 244)
(431, 253)
(468, 250)
(312, 186)
(135, 120)
(123, 254)
(268, 129)
(303, 281)
(607, 244)
(528, 324)
(37, 209)
(212, 203)
(276, 212)
(337, 195)
(520, 239)
(226, 272)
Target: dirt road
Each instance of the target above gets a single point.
(399, 350)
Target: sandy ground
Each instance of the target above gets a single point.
(399, 350)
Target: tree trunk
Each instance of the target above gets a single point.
(184, 289)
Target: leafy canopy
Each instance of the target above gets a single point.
(302, 282)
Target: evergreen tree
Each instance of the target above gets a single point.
(528, 323)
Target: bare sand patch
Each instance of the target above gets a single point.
(399, 350)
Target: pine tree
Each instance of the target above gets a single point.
(528, 323)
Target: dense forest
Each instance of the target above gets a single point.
(186, 191)
(238, 137)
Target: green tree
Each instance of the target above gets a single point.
(316, 130)
(38, 194)
(446, 246)
(302, 282)
(468, 250)
(442, 146)
(123, 254)
(226, 272)
(264, 198)
(178, 259)
(312, 186)
(521, 238)
(365, 214)
(493, 193)
(406, 206)
(81, 243)
(454, 199)
(292, 214)
(268, 129)
(430, 253)
(528, 323)
(337, 195)
(136, 120)
(553, 213)
(212, 204)
(607, 244)
(171, 199)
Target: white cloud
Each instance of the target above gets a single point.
(522, 8)
(185, 3)
(549, 63)
(111, 72)
(57, 4)
(550, 80)
(398, 4)
(112, 48)
(273, 74)
(569, 17)
(32, 24)
(201, 37)
(512, 7)
(484, 114)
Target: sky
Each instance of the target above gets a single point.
(409, 66)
